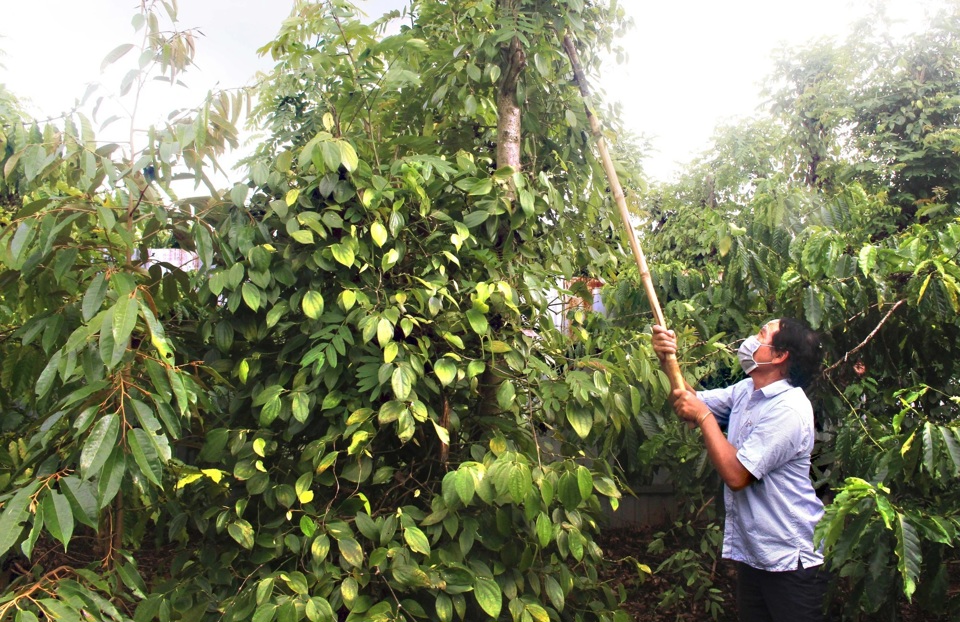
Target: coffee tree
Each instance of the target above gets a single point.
(839, 207)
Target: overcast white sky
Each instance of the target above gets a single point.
(693, 63)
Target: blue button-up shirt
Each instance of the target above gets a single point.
(769, 524)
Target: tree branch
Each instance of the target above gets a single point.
(867, 340)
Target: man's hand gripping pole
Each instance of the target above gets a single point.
(668, 363)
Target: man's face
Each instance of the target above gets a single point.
(764, 354)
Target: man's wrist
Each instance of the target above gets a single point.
(702, 417)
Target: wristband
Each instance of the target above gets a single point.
(702, 417)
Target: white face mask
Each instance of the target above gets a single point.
(746, 351)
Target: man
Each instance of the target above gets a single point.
(764, 460)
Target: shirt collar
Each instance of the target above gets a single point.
(776, 388)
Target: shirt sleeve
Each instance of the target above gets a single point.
(772, 441)
(720, 403)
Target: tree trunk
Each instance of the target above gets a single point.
(508, 108)
(508, 154)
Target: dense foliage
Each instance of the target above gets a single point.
(840, 207)
(358, 405)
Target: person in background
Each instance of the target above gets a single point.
(764, 460)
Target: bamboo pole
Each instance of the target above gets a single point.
(668, 364)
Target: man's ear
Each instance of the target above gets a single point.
(779, 356)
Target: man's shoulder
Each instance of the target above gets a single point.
(744, 386)
(783, 396)
(785, 389)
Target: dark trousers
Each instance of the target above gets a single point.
(792, 596)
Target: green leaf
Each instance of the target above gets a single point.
(99, 444)
(489, 596)
(584, 482)
(223, 335)
(444, 606)
(235, 276)
(406, 426)
(607, 487)
(48, 375)
(390, 411)
(909, 556)
(518, 483)
(303, 236)
(145, 454)
(25, 615)
(475, 218)
(297, 582)
(351, 551)
(952, 447)
(94, 296)
(111, 351)
(331, 155)
(367, 527)
(478, 321)
(554, 592)
(16, 512)
(300, 406)
(324, 612)
(497, 347)
(347, 299)
(111, 476)
(313, 304)
(82, 498)
(251, 295)
(265, 612)
(536, 612)
(928, 447)
(575, 543)
(416, 540)
(402, 381)
(348, 155)
(390, 259)
(270, 412)
(580, 419)
(277, 312)
(544, 530)
(179, 392)
(506, 395)
(475, 368)
(464, 485)
(238, 194)
(410, 575)
(204, 243)
(343, 254)
(115, 54)
(58, 517)
(445, 370)
(267, 394)
(473, 72)
(124, 319)
(378, 233)
(867, 259)
(384, 331)
(158, 336)
(241, 531)
(475, 187)
(813, 302)
(569, 491)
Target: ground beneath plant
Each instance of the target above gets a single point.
(624, 548)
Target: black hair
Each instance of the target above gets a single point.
(803, 345)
